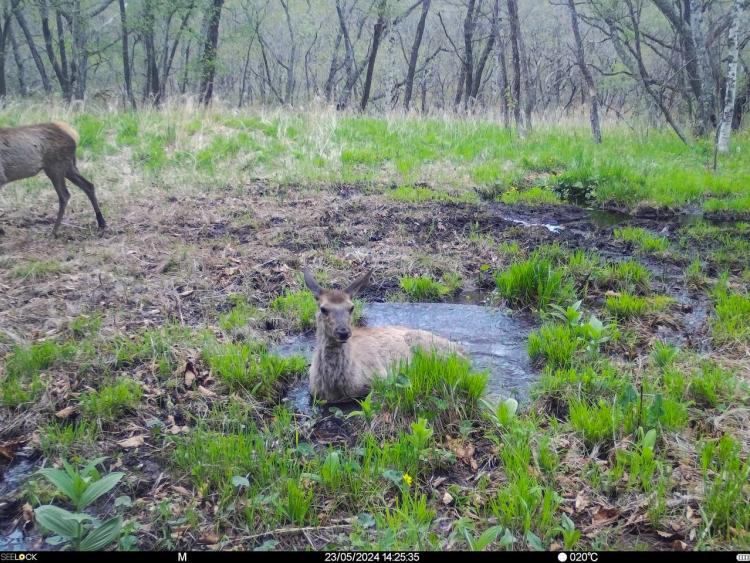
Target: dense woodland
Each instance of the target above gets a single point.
(678, 62)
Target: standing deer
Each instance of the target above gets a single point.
(26, 150)
(347, 359)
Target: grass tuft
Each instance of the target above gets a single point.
(535, 282)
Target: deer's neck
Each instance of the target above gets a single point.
(333, 362)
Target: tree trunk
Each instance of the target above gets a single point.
(528, 84)
(208, 60)
(515, 87)
(352, 69)
(243, 81)
(414, 56)
(153, 85)
(376, 35)
(706, 101)
(469, 52)
(333, 69)
(4, 32)
(169, 53)
(646, 80)
(126, 56)
(186, 67)
(479, 71)
(79, 65)
(289, 93)
(725, 125)
(22, 87)
(591, 95)
(740, 102)
(60, 72)
(34, 52)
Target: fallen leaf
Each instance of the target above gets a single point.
(28, 513)
(447, 498)
(190, 374)
(206, 392)
(66, 412)
(665, 535)
(603, 515)
(554, 546)
(132, 442)
(439, 481)
(181, 490)
(582, 502)
(679, 545)
(465, 452)
(209, 538)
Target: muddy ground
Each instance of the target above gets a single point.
(166, 258)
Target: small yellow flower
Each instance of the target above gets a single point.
(408, 479)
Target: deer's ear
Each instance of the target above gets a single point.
(358, 284)
(312, 284)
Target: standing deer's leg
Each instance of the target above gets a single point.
(58, 181)
(88, 188)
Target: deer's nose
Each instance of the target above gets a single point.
(343, 333)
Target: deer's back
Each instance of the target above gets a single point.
(26, 150)
(375, 350)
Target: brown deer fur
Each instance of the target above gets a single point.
(27, 150)
(347, 359)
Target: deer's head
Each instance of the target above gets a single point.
(335, 306)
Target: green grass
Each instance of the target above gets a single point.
(711, 386)
(238, 317)
(625, 306)
(431, 386)
(732, 319)
(724, 246)
(251, 368)
(59, 439)
(628, 276)
(158, 349)
(37, 270)
(536, 195)
(109, 402)
(297, 307)
(726, 501)
(85, 326)
(554, 344)
(23, 367)
(423, 288)
(596, 422)
(642, 239)
(535, 282)
(411, 194)
(178, 143)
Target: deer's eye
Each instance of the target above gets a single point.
(324, 310)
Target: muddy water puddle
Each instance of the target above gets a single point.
(494, 340)
(12, 479)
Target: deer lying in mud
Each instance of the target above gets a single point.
(347, 359)
(27, 150)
